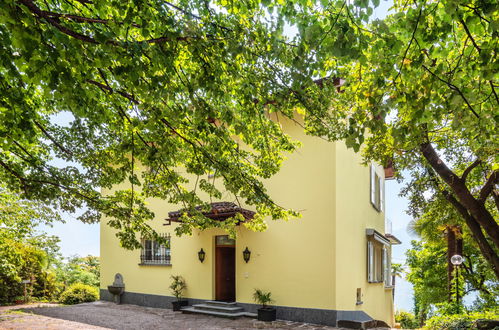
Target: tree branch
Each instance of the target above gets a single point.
(469, 169)
(476, 232)
(410, 43)
(185, 12)
(494, 91)
(475, 207)
(454, 88)
(38, 12)
(111, 90)
(438, 165)
(495, 196)
(49, 17)
(75, 18)
(14, 173)
(470, 36)
(51, 138)
(475, 10)
(489, 186)
(24, 180)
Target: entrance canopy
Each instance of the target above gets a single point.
(219, 211)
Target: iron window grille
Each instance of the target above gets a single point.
(154, 253)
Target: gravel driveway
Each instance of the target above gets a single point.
(106, 315)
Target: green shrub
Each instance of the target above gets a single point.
(459, 321)
(406, 320)
(79, 293)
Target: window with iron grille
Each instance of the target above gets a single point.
(154, 253)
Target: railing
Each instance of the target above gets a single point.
(155, 260)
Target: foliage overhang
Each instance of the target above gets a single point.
(147, 82)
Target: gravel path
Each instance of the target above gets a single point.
(106, 315)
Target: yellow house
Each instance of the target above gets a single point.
(330, 265)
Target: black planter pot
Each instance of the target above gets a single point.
(176, 305)
(267, 314)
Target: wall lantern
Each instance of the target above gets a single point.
(246, 255)
(201, 255)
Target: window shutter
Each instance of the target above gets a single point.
(383, 264)
(388, 276)
(370, 261)
(373, 185)
(381, 194)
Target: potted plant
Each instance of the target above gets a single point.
(265, 313)
(177, 288)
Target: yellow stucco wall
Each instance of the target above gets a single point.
(283, 257)
(294, 259)
(317, 261)
(354, 214)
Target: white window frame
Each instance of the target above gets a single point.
(378, 258)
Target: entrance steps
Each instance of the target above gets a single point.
(218, 308)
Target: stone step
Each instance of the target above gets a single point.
(219, 308)
(194, 310)
(370, 324)
(220, 303)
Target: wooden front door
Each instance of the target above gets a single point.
(225, 273)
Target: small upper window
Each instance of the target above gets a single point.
(154, 253)
(377, 190)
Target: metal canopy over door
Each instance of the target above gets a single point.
(225, 269)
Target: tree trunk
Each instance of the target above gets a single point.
(454, 246)
(474, 207)
(484, 245)
(451, 250)
(488, 252)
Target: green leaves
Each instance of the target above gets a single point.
(425, 74)
(159, 96)
(25, 252)
(154, 97)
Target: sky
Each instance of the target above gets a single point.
(77, 238)
(82, 239)
(395, 211)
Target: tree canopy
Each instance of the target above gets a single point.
(166, 85)
(425, 89)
